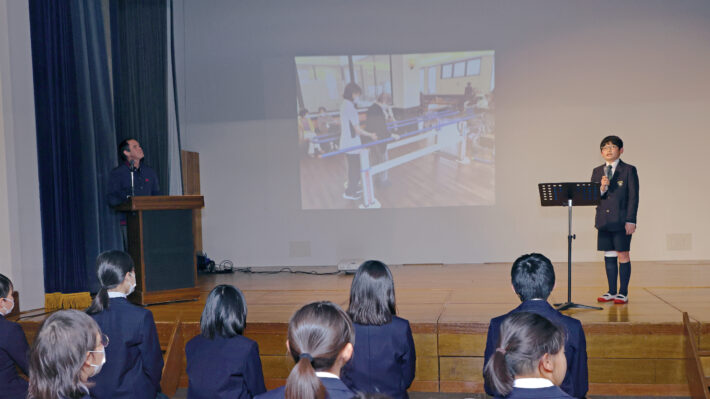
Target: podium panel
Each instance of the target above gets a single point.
(168, 251)
(161, 243)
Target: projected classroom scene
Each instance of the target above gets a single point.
(396, 131)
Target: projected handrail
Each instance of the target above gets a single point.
(327, 138)
(438, 126)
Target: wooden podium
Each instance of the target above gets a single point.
(162, 245)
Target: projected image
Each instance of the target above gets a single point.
(396, 131)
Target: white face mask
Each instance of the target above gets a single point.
(97, 367)
(7, 311)
(133, 286)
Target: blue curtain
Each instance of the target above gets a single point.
(139, 58)
(76, 140)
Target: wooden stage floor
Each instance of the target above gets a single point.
(633, 349)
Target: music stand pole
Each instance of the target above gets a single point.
(584, 194)
(569, 304)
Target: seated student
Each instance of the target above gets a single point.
(529, 360)
(135, 361)
(13, 347)
(221, 363)
(69, 349)
(533, 279)
(320, 340)
(384, 357)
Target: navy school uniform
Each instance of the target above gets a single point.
(619, 204)
(576, 381)
(552, 392)
(13, 351)
(134, 361)
(335, 389)
(223, 368)
(383, 359)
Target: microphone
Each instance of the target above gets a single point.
(132, 169)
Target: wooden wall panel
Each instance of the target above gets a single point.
(191, 186)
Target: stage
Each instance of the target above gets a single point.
(633, 349)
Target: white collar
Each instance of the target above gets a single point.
(613, 164)
(532, 383)
(325, 374)
(116, 294)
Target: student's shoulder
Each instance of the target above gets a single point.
(10, 330)
(279, 392)
(399, 322)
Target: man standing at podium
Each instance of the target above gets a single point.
(616, 217)
(122, 186)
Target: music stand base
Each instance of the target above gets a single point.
(571, 305)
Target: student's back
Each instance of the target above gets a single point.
(335, 389)
(528, 360)
(320, 337)
(221, 362)
(533, 278)
(553, 392)
(576, 380)
(13, 347)
(384, 358)
(134, 361)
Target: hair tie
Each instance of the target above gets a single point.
(501, 350)
(306, 355)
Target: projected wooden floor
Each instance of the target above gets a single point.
(634, 349)
(433, 180)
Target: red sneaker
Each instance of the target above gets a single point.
(607, 298)
(621, 299)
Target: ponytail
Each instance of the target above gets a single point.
(317, 333)
(303, 382)
(524, 339)
(112, 267)
(498, 374)
(100, 302)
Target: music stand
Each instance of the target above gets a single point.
(569, 194)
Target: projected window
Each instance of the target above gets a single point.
(473, 67)
(396, 130)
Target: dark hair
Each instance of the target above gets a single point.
(112, 267)
(303, 112)
(533, 277)
(350, 89)
(321, 109)
(318, 331)
(616, 140)
(58, 355)
(5, 286)
(225, 313)
(124, 146)
(372, 300)
(524, 339)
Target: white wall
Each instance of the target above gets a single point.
(20, 229)
(568, 73)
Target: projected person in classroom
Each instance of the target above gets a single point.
(350, 138)
(324, 125)
(307, 131)
(616, 217)
(378, 115)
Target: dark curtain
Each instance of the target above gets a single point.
(96, 134)
(75, 140)
(139, 59)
